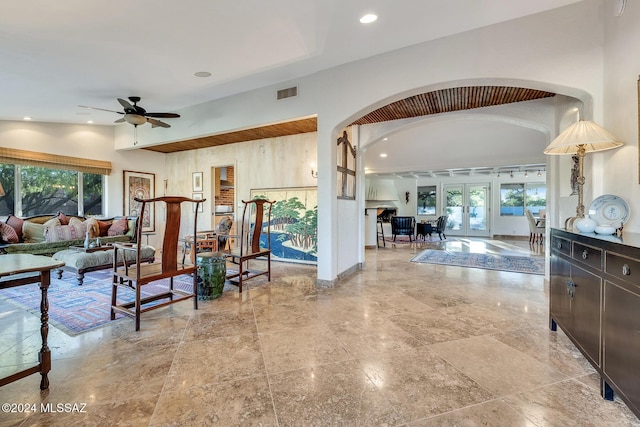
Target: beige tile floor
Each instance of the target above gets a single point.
(398, 343)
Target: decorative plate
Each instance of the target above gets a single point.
(609, 210)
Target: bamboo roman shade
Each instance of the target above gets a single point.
(54, 161)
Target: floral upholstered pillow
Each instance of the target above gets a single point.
(59, 233)
(16, 223)
(119, 227)
(8, 234)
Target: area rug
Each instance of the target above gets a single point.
(76, 309)
(517, 264)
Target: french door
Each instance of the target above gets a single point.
(467, 206)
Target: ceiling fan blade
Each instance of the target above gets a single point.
(156, 123)
(163, 115)
(101, 109)
(127, 106)
(120, 120)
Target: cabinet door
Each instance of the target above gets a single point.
(559, 298)
(585, 312)
(621, 354)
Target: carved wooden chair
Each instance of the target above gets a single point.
(256, 222)
(139, 274)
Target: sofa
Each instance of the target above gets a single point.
(48, 234)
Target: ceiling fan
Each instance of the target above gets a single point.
(136, 115)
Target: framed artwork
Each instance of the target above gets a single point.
(294, 223)
(143, 186)
(196, 182)
(197, 196)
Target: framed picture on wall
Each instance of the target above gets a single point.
(197, 196)
(196, 182)
(141, 185)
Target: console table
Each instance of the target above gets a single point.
(595, 299)
(22, 269)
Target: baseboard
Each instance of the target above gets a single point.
(509, 237)
(348, 272)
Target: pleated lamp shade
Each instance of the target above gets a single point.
(584, 133)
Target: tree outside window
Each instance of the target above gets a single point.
(427, 200)
(515, 197)
(47, 191)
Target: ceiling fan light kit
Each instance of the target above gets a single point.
(136, 115)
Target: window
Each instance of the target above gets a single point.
(427, 200)
(47, 191)
(515, 198)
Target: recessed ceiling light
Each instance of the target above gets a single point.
(202, 74)
(385, 139)
(90, 122)
(27, 118)
(368, 18)
(383, 154)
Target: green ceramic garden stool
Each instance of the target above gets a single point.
(212, 270)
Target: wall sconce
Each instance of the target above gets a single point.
(539, 173)
(314, 172)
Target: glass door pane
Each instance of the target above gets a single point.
(454, 208)
(477, 202)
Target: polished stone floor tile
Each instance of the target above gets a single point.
(214, 360)
(375, 336)
(242, 402)
(571, 403)
(394, 344)
(494, 413)
(496, 366)
(419, 384)
(301, 348)
(338, 394)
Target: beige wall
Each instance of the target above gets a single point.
(266, 163)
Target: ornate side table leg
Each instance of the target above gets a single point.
(45, 354)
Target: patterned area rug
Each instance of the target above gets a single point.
(76, 309)
(517, 264)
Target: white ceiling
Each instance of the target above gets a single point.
(55, 56)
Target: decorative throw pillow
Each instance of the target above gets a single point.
(74, 221)
(32, 233)
(92, 226)
(103, 227)
(16, 223)
(8, 234)
(58, 233)
(118, 228)
(53, 222)
(64, 220)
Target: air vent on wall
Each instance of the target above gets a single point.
(288, 92)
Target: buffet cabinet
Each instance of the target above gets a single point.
(594, 297)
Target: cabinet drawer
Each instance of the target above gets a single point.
(561, 245)
(624, 268)
(587, 255)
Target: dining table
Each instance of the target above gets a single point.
(25, 269)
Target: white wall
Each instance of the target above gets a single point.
(617, 170)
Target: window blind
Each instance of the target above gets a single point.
(54, 161)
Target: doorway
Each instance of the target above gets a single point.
(467, 206)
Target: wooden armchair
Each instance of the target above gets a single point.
(403, 226)
(248, 246)
(139, 274)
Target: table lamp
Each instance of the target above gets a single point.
(578, 139)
